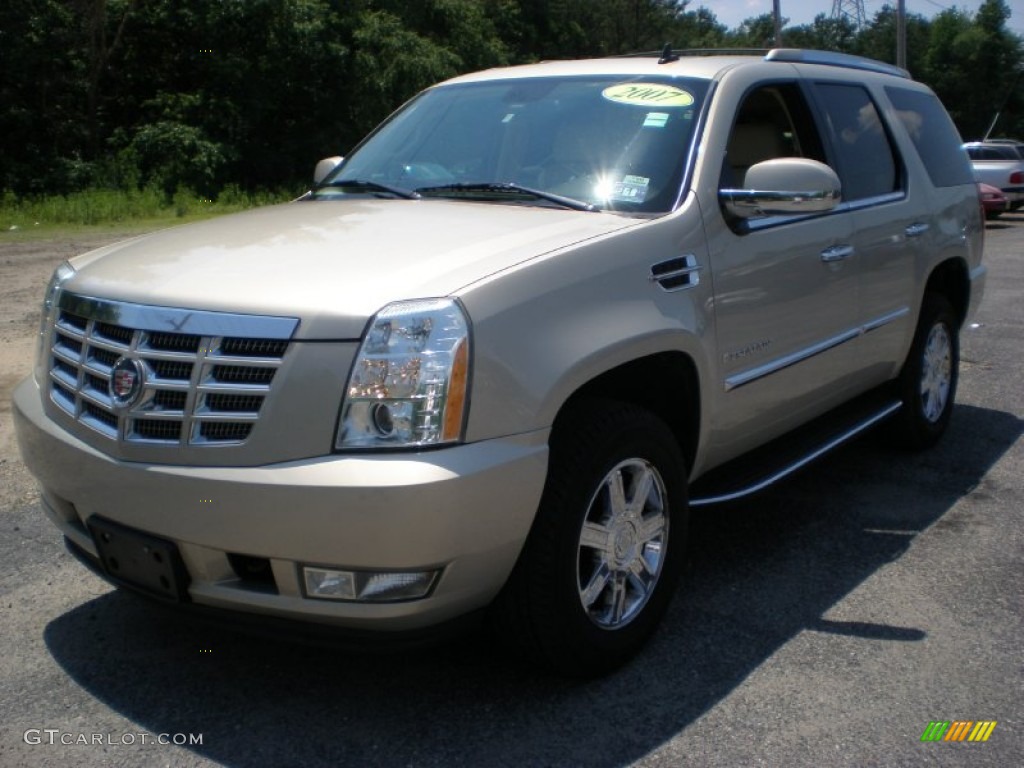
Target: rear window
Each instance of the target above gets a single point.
(935, 137)
(992, 153)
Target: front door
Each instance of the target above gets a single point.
(785, 288)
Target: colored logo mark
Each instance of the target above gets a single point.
(958, 730)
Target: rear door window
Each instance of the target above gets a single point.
(868, 163)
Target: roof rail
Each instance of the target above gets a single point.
(695, 52)
(792, 55)
(833, 59)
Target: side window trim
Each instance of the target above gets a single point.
(749, 226)
(874, 200)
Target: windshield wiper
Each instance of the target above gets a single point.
(498, 190)
(373, 186)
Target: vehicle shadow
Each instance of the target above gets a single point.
(761, 573)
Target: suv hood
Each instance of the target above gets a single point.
(332, 264)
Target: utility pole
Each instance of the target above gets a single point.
(901, 34)
(777, 15)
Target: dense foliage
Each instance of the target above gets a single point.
(176, 94)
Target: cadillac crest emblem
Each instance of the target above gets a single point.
(126, 380)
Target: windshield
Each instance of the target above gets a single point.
(608, 143)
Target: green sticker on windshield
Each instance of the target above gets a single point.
(632, 189)
(648, 95)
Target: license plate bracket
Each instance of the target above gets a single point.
(146, 563)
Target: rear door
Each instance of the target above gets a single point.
(892, 222)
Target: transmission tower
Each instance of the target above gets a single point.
(851, 10)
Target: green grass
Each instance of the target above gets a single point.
(111, 210)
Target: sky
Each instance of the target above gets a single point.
(731, 13)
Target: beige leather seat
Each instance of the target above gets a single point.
(752, 143)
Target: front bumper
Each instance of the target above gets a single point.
(464, 510)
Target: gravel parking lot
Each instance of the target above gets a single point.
(826, 622)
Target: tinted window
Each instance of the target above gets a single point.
(934, 135)
(868, 166)
(977, 152)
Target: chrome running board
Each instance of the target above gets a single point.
(779, 459)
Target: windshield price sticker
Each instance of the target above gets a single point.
(632, 189)
(648, 95)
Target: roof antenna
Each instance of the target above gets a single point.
(667, 56)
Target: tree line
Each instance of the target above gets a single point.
(200, 94)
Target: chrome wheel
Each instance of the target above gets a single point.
(927, 382)
(598, 570)
(622, 544)
(936, 373)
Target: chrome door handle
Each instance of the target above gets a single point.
(915, 230)
(837, 253)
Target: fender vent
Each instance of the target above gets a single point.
(677, 274)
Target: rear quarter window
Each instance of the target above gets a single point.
(935, 137)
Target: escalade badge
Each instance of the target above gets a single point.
(126, 378)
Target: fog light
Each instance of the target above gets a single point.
(368, 586)
(330, 585)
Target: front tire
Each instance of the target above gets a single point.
(606, 550)
(928, 381)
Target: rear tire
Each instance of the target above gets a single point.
(928, 381)
(606, 550)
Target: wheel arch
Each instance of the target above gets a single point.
(675, 399)
(952, 280)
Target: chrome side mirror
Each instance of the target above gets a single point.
(784, 186)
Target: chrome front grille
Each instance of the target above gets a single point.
(203, 383)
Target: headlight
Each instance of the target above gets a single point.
(61, 275)
(409, 383)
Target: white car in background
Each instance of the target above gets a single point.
(999, 163)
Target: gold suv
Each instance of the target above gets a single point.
(491, 360)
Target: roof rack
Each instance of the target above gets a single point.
(695, 52)
(790, 55)
(833, 59)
